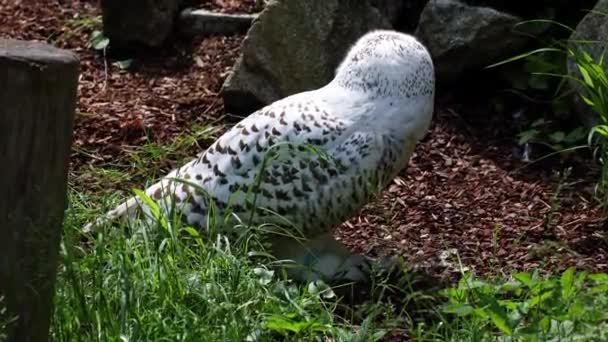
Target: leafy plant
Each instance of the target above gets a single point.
(540, 132)
(531, 308)
(77, 25)
(165, 280)
(5, 320)
(593, 84)
(98, 41)
(545, 126)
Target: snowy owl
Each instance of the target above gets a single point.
(314, 158)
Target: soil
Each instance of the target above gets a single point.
(465, 192)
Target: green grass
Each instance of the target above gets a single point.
(167, 282)
(140, 165)
(176, 285)
(172, 284)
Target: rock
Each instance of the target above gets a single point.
(139, 22)
(391, 9)
(593, 28)
(294, 46)
(563, 11)
(200, 22)
(403, 14)
(462, 38)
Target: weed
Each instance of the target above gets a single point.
(5, 320)
(76, 26)
(593, 84)
(167, 281)
(529, 308)
(555, 203)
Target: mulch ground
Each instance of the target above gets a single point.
(464, 192)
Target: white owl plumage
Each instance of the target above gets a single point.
(365, 122)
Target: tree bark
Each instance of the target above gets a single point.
(38, 85)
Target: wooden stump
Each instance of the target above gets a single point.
(38, 86)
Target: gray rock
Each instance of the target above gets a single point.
(461, 37)
(139, 22)
(200, 22)
(564, 11)
(294, 46)
(403, 14)
(391, 9)
(593, 29)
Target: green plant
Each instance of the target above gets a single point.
(593, 84)
(556, 202)
(5, 320)
(76, 26)
(167, 281)
(545, 124)
(98, 41)
(529, 307)
(540, 132)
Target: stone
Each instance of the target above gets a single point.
(391, 9)
(563, 11)
(140, 22)
(294, 46)
(462, 37)
(202, 22)
(403, 14)
(593, 28)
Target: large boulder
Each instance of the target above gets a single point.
(591, 36)
(403, 14)
(294, 46)
(391, 9)
(563, 11)
(462, 37)
(138, 22)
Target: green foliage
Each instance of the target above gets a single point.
(545, 127)
(98, 41)
(594, 83)
(540, 132)
(536, 64)
(5, 320)
(570, 307)
(167, 281)
(76, 26)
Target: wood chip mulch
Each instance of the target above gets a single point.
(462, 194)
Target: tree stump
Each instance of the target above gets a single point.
(37, 103)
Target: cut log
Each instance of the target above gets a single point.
(37, 102)
(203, 22)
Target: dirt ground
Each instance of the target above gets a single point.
(465, 190)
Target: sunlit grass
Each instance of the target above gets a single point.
(168, 282)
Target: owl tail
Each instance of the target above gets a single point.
(125, 211)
